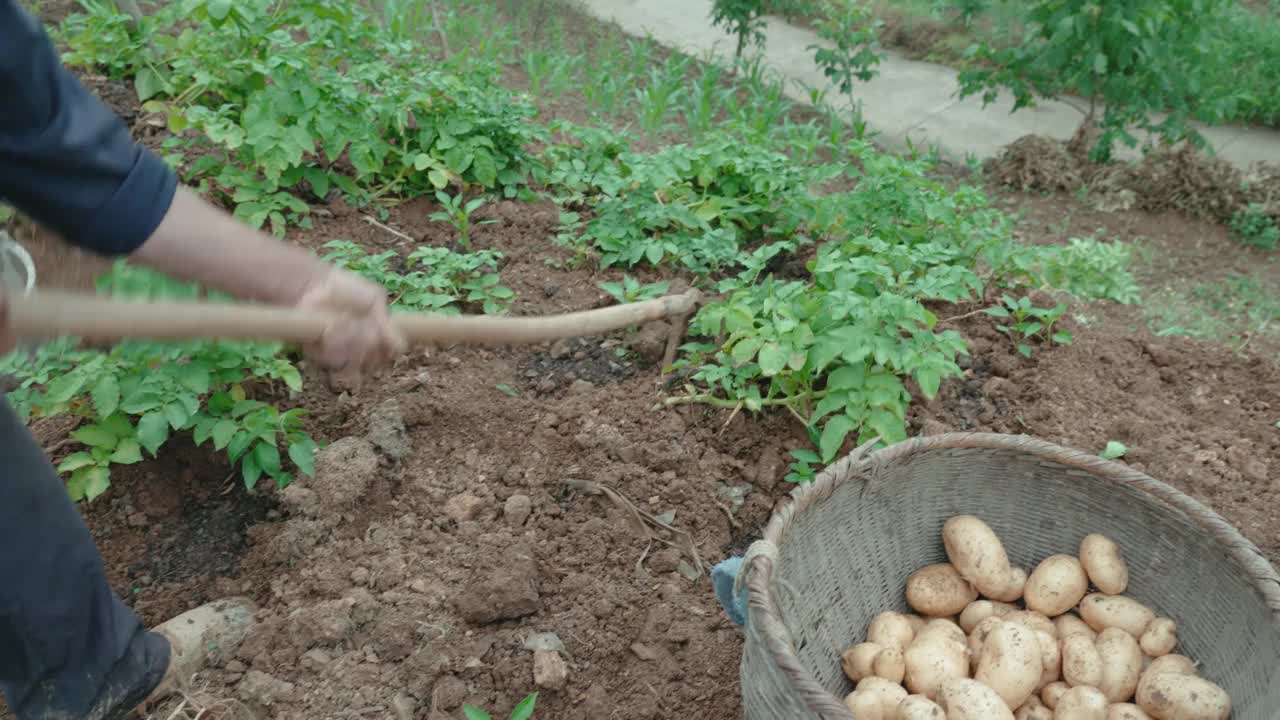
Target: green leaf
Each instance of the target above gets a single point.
(485, 169)
(507, 390)
(223, 431)
(203, 430)
(66, 387)
(95, 436)
(218, 9)
(833, 435)
(147, 84)
(127, 452)
(250, 470)
(194, 377)
(302, 453)
(1114, 450)
(475, 713)
(244, 407)
(746, 349)
(929, 379)
(524, 710)
(75, 461)
(106, 395)
(292, 378)
(268, 458)
(177, 415)
(773, 358)
(239, 443)
(96, 481)
(1062, 337)
(153, 431)
(808, 456)
(996, 312)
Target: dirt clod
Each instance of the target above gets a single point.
(505, 591)
(549, 670)
(387, 430)
(261, 688)
(344, 471)
(517, 509)
(464, 507)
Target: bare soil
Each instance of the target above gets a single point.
(450, 521)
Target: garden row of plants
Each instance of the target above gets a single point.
(829, 262)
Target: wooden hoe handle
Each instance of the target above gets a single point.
(54, 313)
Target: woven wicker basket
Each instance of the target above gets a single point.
(840, 551)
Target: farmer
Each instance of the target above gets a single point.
(69, 648)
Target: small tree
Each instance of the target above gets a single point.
(743, 18)
(849, 26)
(1130, 59)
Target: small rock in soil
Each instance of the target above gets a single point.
(664, 561)
(561, 349)
(506, 591)
(262, 688)
(581, 387)
(464, 507)
(316, 659)
(387, 430)
(403, 706)
(549, 670)
(517, 509)
(326, 623)
(344, 471)
(138, 520)
(650, 341)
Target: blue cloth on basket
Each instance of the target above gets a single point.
(723, 576)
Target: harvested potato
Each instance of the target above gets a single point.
(889, 694)
(890, 665)
(1105, 565)
(979, 610)
(965, 699)
(978, 638)
(1104, 611)
(977, 554)
(1081, 663)
(916, 622)
(1050, 658)
(1033, 620)
(865, 706)
(1069, 624)
(890, 629)
(919, 707)
(1013, 587)
(1033, 709)
(1121, 664)
(1010, 663)
(1053, 692)
(858, 660)
(1057, 584)
(1160, 638)
(1081, 703)
(1171, 663)
(1176, 696)
(939, 591)
(938, 654)
(1126, 711)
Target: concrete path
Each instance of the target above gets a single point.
(908, 99)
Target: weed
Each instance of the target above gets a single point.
(458, 214)
(522, 711)
(741, 18)
(1091, 269)
(1253, 226)
(855, 48)
(1029, 323)
(1114, 450)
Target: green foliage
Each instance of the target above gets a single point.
(277, 96)
(432, 279)
(741, 18)
(458, 214)
(837, 348)
(522, 711)
(694, 206)
(1114, 450)
(1134, 58)
(1028, 323)
(853, 34)
(1091, 269)
(1253, 226)
(135, 397)
(630, 290)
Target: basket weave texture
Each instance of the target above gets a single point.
(839, 553)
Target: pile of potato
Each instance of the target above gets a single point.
(1065, 653)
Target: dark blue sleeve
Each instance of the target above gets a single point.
(66, 160)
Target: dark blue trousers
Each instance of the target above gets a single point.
(69, 647)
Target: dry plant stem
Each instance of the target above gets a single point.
(388, 228)
(646, 524)
(49, 313)
(435, 20)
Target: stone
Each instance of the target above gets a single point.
(549, 670)
(581, 387)
(506, 590)
(262, 688)
(517, 509)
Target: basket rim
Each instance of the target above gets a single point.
(766, 622)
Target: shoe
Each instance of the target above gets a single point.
(200, 637)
